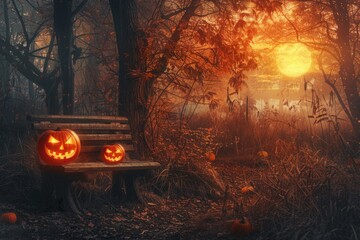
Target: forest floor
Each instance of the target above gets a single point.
(180, 218)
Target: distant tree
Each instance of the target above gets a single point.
(16, 50)
(347, 20)
(4, 65)
(41, 69)
(63, 29)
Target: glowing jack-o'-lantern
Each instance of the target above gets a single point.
(58, 147)
(112, 154)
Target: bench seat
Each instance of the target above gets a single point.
(100, 166)
(94, 132)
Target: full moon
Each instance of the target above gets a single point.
(293, 59)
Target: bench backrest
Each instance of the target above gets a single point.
(93, 131)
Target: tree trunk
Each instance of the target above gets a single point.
(64, 33)
(52, 100)
(4, 65)
(135, 91)
(125, 36)
(132, 102)
(4, 77)
(347, 69)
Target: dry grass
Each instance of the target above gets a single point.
(306, 196)
(192, 178)
(18, 169)
(306, 190)
(185, 170)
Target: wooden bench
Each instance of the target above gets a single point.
(94, 132)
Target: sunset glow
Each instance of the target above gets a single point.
(293, 60)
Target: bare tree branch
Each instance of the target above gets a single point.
(37, 30)
(336, 91)
(48, 54)
(22, 24)
(20, 63)
(169, 49)
(79, 7)
(7, 22)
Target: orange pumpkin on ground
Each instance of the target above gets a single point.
(112, 154)
(262, 154)
(58, 147)
(210, 156)
(241, 228)
(247, 189)
(9, 217)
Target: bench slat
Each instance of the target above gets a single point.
(82, 126)
(105, 137)
(100, 166)
(89, 149)
(72, 118)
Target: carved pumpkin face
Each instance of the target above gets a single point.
(58, 147)
(112, 154)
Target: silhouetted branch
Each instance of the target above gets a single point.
(22, 24)
(7, 22)
(336, 91)
(79, 7)
(48, 54)
(170, 46)
(37, 30)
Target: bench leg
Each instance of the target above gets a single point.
(133, 192)
(117, 191)
(61, 184)
(70, 202)
(69, 197)
(131, 184)
(47, 189)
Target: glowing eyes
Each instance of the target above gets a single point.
(109, 151)
(70, 141)
(53, 140)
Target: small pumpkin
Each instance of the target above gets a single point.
(241, 228)
(9, 217)
(113, 154)
(262, 154)
(210, 156)
(58, 147)
(247, 189)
